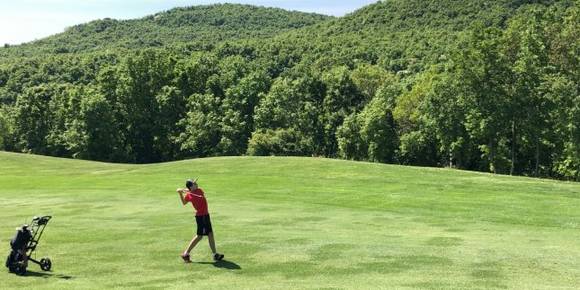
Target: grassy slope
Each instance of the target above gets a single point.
(292, 223)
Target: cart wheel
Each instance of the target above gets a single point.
(45, 264)
(20, 270)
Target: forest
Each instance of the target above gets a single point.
(489, 86)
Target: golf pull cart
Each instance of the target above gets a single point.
(24, 244)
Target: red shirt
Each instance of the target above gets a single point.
(197, 199)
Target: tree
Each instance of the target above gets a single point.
(378, 131)
(350, 142)
(142, 77)
(201, 127)
(445, 113)
(62, 108)
(417, 143)
(566, 95)
(98, 135)
(292, 104)
(171, 108)
(341, 99)
(369, 79)
(4, 130)
(561, 86)
(238, 118)
(484, 70)
(193, 73)
(284, 142)
(525, 46)
(33, 118)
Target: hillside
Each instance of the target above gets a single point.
(297, 223)
(485, 86)
(200, 27)
(403, 35)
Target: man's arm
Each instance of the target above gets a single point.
(180, 191)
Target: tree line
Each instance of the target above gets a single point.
(502, 99)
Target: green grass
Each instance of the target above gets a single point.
(291, 223)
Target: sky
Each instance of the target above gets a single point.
(27, 20)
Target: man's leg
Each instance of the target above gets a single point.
(216, 256)
(192, 244)
(211, 243)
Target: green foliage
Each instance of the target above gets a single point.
(201, 129)
(350, 143)
(378, 131)
(371, 134)
(292, 105)
(282, 142)
(477, 85)
(141, 81)
(4, 130)
(238, 106)
(34, 118)
(445, 114)
(98, 138)
(192, 28)
(342, 98)
(566, 95)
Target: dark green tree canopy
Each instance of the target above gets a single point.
(477, 85)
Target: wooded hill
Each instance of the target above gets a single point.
(200, 27)
(478, 85)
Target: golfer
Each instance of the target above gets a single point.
(196, 196)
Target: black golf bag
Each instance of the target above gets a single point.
(24, 244)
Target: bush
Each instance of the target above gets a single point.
(285, 142)
(4, 130)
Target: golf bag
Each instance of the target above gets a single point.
(24, 244)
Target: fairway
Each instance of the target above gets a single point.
(291, 223)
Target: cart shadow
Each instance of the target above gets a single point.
(223, 264)
(47, 275)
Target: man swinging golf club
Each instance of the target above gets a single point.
(196, 196)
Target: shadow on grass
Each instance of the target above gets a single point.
(47, 275)
(224, 264)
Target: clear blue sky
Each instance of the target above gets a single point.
(27, 20)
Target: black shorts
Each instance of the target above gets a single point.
(203, 225)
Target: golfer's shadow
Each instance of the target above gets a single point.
(224, 264)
